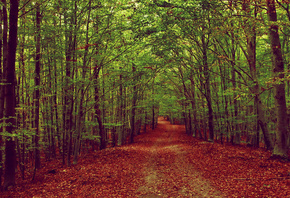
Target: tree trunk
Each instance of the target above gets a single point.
(98, 112)
(79, 122)
(145, 121)
(37, 87)
(55, 93)
(3, 65)
(193, 106)
(120, 111)
(70, 22)
(190, 122)
(280, 148)
(153, 107)
(208, 94)
(233, 62)
(51, 148)
(10, 98)
(133, 107)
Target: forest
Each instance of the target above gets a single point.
(87, 76)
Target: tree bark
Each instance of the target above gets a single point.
(79, 122)
(70, 22)
(133, 107)
(193, 106)
(37, 87)
(153, 106)
(3, 65)
(233, 62)
(120, 112)
(280, 148)
(10, 98)
(208, 92)
(98, 111)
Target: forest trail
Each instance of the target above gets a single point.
(167, 172)
(162, 163)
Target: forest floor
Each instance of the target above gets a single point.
(164, 162)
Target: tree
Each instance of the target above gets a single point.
(10, 99)
(134, 101)
(280, 148)
(3, 63)
(37, 88)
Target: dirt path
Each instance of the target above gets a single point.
(167, 172)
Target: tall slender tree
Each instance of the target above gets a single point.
(37, 87)
(3, 63)
(134, 101)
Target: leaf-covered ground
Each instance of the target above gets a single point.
(164, 162)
